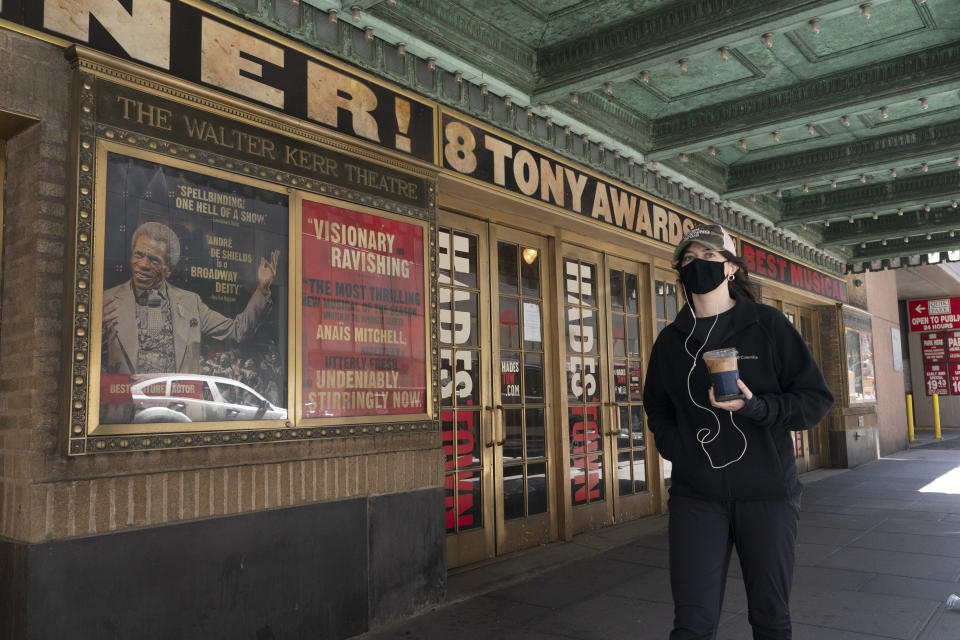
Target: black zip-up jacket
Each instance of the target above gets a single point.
(775, 364)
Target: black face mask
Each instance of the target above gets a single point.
(702, 276)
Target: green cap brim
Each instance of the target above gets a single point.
(707, 241)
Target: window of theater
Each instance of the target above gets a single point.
(665, 292)
(861, 381)
(666, 311)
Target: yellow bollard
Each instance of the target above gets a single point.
(910, 416)
(936, 418)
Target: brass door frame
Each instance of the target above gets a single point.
(815, 459)
(801, 307)
(788, 308)
(628, 507)
(498, 535)
(669, 276)
(600, 513)
(477, 544)
(531, 530)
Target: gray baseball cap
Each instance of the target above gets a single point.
(710, 235)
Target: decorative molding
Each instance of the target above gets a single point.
(754, 71)
(858, 200)
(902, 250)
(665, 25)
(662, 34)
(936, 67)
(611, 116)
(879, 151)
(709, 172)
(462, 33)
(149, 442)
(799, 38)
(939, 220)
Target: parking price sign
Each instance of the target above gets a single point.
(935, 376)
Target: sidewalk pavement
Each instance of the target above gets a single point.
(875, 560)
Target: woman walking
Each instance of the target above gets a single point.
(734, 481)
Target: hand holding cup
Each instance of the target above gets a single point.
(732, 405)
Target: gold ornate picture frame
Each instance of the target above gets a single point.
(231, 372)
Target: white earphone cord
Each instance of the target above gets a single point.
(706, 438)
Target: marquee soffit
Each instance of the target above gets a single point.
(829, 129)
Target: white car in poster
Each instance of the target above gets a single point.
(199, 398)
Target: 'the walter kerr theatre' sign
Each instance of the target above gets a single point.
(208, 48)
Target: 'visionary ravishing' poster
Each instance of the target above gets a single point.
(363, 318)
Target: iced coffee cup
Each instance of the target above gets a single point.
(722, 365)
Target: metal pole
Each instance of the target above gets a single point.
(910, 416)
(936, 418)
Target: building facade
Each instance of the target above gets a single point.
(286, 335)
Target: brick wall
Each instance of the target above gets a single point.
(35, 82)
(833, 363)
(44, 494)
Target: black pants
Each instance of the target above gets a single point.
(702, 534)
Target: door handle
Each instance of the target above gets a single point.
(503, 429)
(615, 423)
(486, 420)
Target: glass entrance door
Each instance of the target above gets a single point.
(607, 332)
(587, 399)
(667, 301)
(628, 342)
(494, 365)
(799, 441)
(524, 478)
(466, 428)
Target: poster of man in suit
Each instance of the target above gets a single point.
(194, 314)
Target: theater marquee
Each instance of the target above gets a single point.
(765, 263)
(207, 46)
(477, 152)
